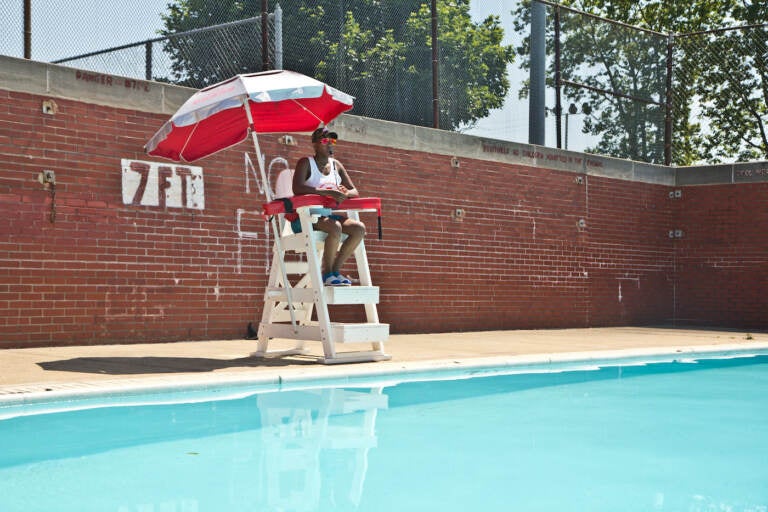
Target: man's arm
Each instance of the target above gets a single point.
(300, 176)
(346, 182)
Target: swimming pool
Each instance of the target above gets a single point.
(685, 435)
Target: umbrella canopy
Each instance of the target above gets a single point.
(223, 114)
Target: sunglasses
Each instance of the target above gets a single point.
(332, 142)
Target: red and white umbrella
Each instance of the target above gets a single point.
(223, 114)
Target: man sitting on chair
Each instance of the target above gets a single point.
(323, 175)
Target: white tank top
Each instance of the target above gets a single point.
(321, 181)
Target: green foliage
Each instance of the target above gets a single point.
(720, 78)
(197, 57)
(472, 75)
(379, 52)
(733, 94)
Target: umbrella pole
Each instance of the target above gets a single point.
(262, 164)
(275, 226)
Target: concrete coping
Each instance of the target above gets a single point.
(210, 387)
(57, 81)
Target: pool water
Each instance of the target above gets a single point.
(671, 436)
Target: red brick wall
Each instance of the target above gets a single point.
(519, 258)
(721, 264)
(629, 254)
(105, 272)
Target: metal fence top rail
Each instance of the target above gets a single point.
(720, 30)
(607, 20)
(654, 32)
(163, 38)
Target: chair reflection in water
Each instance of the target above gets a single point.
(316, 445)
(295, 293)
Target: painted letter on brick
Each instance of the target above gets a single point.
(164, 185)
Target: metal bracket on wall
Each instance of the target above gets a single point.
(675, 194)
(47, 178)
(676, 233)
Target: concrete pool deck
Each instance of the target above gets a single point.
(35, 372)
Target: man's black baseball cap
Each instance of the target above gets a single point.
(323, 133)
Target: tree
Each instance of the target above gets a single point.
(202, 58)
(732, 91)
(729, 93)
(380, 52)
(473, 76)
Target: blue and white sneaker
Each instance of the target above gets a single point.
(333, 279)
(345, 281)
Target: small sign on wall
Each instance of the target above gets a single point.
(164, 185)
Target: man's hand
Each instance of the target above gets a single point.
(337, 195)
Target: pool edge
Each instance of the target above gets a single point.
(395, 371)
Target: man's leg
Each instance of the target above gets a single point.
(333, 230)
(355, 231)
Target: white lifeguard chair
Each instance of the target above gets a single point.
(295, 289)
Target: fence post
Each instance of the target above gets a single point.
(265, 63)
(148, 60)
(278, 36)
(435, 69)
(558, 84)
(668, 104)
(27, 29)
(536, 104)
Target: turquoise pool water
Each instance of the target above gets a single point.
(669, 436)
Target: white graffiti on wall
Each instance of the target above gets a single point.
(164, 185)
(245, 217)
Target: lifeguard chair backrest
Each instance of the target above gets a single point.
(284, 189)
(284, 184)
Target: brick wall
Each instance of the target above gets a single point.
(536, 247)
(103, 271)
(722, 258)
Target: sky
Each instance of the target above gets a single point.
(65, 28)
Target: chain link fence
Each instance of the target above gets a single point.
(721, 90)
(379, 52)
(609, 80)
(659, 97)
(613, 88)
(194, 58)
(371, 50)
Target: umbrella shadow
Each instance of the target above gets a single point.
(154, 364)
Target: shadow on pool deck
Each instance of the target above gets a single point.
(159, 365)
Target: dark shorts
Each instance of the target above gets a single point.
(296, 224)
